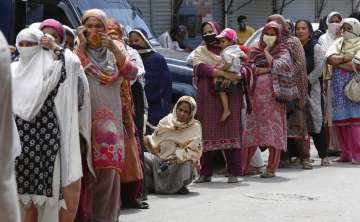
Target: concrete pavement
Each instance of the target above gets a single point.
(324, 194)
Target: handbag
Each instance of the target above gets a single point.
(284, 87)
(352, 89)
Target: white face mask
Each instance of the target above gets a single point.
(27, 52)
(269, 40)
(349, 35)
(333, 27)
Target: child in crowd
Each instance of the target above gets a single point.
(231, 57)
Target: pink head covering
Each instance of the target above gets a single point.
(229, 34)
(52, 23)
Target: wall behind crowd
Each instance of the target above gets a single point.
(258, 10)
(158, 13)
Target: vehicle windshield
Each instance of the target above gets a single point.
(123, 12)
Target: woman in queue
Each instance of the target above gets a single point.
(106, 65)
(266, 124)
(175, 150)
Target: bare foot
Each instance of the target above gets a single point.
(225, 115)
(325, 162)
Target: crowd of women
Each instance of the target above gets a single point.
(82, 109)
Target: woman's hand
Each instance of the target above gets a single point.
(267, 48)
(226, 83)
(82, 38)
(337, 60)
(218, 73)
(261, 71)
(348, 58)
(235, 77)
(107, 42)
(172, 159)
(268, 56)
(48, 42)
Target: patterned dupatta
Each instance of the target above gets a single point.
(284, 86)
(97, 71)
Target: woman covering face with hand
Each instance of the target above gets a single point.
(36, 78)
(106, 64)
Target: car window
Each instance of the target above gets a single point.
(37, 12)
(123, 12)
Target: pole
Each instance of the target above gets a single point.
(226, 13)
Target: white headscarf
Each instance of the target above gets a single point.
(347, 46)
(329, 37)
(33, 76)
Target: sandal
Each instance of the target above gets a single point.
(183, 191)
(267, 175)
(232, 179)
(307, 165)
(138, 204)
(203, 179)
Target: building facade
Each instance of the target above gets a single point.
(162, 14)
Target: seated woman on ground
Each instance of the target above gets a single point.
(175, 150)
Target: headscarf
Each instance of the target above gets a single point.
(298, 57)
(172, 123)
(99, 62)
(257, 54)
(149, 48)
(309, 46)
(56, 25)
(215, 27)
(97, 13)
(282, 22)
(69, 30)
(114, 29)
(33, 76)
(328, 38)
(346, 46)
(204, 53)
(186, 137)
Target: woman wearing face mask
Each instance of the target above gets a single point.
(314, 67)
(266, 124)
(36, 78)
(224, 136)
(158, 81)
(106, 64)
(76, 118)
(345, 113)
(175, 150)
(333, 21)
(298, 138)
